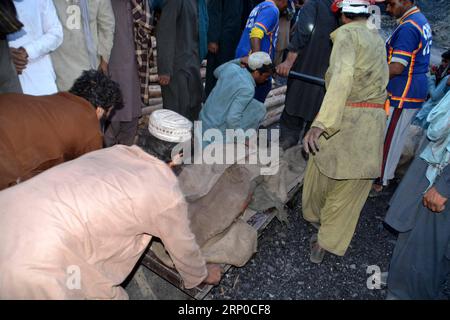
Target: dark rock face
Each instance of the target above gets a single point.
(438, 14)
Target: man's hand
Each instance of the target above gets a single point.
(244, 61)
(164, 80)
(20, 59)
(214, 274)
(434, 69)
(311, 140)
(213, 47)
(434, 201)
(103, 66)
(284, 68)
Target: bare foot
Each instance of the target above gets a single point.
(377, 187)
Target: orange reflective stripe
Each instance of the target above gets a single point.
(409, 14)
(262, 26)
(387, 107)
(410, 76)
(403, 53)
(391, 51)
(415, 25)
(407, 99)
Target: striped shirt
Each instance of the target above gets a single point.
(410, 45)
(265, 17)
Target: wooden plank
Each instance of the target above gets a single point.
(259, 221)
(152, 262)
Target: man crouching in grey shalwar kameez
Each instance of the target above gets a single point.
(420, 211)
(177, 40)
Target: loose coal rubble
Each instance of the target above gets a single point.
(282, 270)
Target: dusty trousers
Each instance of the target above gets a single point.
(335, 204)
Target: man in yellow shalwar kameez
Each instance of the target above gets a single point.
(346, 138)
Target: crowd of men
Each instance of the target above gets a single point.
(75, 74)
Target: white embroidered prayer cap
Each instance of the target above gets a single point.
(167, 125)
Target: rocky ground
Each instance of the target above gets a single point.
(282, 270)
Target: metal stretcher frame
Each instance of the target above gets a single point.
(259, 221)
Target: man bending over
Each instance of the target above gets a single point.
(37, 133)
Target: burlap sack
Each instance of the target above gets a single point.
(236, 246)
(227, 200)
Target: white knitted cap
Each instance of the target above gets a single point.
(258, 60)
(167, 125)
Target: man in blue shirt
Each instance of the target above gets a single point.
(231, 104)
(438, 86)
(260, 34)
(443, 69)
(408, 51)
